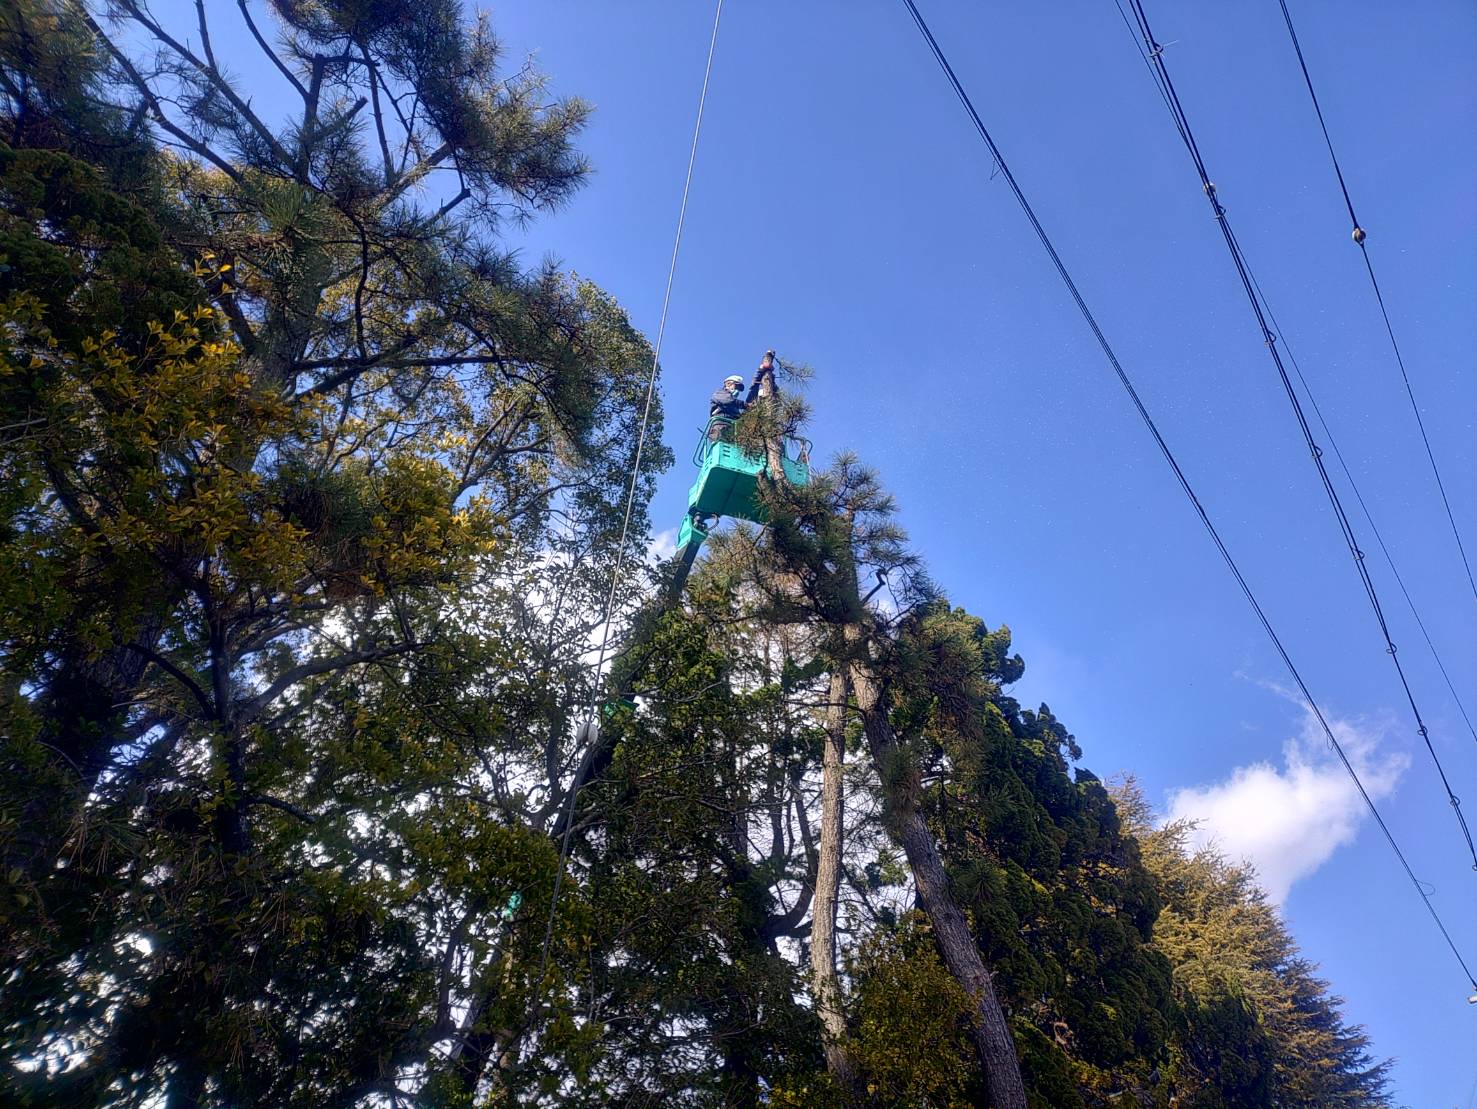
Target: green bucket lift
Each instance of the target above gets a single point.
(728, 485)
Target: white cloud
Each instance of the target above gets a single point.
(663, 546)
(1288, 821)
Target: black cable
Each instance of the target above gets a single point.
(1337, 169)
(1359, 238)
(1328, 433)
(1243, 270)
(1369, 519)
(1179, 473)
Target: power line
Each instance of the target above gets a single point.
(1328, 434)
(1179, 473)
(587, 730)
(1360, 236)
(1373, 528)
(1243, 270)
(1337, 169)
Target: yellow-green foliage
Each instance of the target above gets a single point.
(1261, 1028)
(910, 1039)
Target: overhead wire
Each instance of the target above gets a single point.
(1373, 527)
(1360, 237)
(1180, 476)
(588, 728)
(1269, 337)
(1328, 432)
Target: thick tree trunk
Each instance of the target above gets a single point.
(825, 983)
(991, 1034)
(992, 1037)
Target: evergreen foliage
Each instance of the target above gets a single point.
(1260, 1027)
(309, 496)
(1057, 892)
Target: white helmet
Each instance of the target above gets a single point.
(733, 379)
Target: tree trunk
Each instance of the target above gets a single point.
(825, 983)
(992, 1037)
(991, 1034)
(774, 452)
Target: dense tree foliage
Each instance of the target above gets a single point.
(309, 501)
(1259, 1028)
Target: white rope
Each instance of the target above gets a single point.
(587, 730)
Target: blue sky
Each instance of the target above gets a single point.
(843, 213)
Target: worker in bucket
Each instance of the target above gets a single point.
(726, 405)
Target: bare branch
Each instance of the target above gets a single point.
(353, 366)
(211, 74)
(156, 109)
(379, 116)
(286, 806)
(415, 173)
(204, 33)
(268, 51)
(178, 674)
(249, 710)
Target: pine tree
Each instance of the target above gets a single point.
(304, 488)
(346, 279)
(952, 756)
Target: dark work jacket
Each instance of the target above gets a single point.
(722, 404)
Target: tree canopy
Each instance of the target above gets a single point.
(310, 495)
